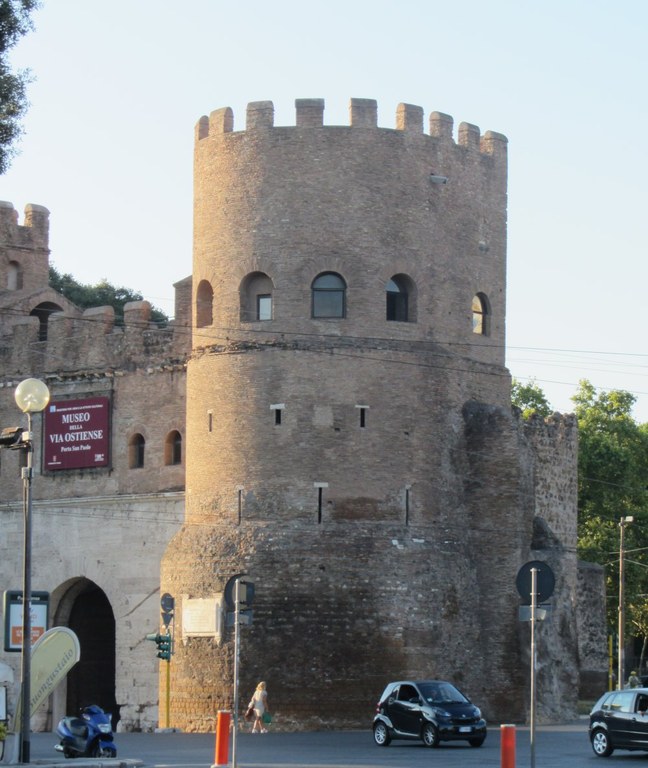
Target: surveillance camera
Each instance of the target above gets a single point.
(438, 179)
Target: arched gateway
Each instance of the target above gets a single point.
(83, 607)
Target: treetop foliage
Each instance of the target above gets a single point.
(15, 21)
(530, 399)
(99, 295)
(615, 405)
(613, 483)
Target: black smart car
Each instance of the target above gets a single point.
(619, 720)
(430, 710)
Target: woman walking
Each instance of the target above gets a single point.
(259, 703)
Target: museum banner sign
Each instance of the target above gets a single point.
(76, 434)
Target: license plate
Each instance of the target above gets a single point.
(465, 729)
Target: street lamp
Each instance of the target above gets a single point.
(620, 671)
(31, 396)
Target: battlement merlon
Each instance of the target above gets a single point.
(83, 340)
(35, 229)
(363, 113)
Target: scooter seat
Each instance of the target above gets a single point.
(77, 726)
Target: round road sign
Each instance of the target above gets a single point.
(167, 602)
(545, 581)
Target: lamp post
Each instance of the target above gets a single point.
(620, 671)
(31, 396)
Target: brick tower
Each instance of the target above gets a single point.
(350, 442)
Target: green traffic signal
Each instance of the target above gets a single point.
(164, 645)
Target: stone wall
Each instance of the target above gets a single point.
(592, 634)
(115, 542)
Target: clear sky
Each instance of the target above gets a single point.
(120, 84)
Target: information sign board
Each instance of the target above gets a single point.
(76, 434)
(13, 617)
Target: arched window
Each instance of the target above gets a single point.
(400, 294)
(43, 312)
(14, 276)
(480, 315)
(204, 304)
(329, 295)
(173, 448)
(256, 297)
(136, 451)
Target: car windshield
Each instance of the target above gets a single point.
(441, 693)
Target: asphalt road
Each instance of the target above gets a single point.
(564, 746)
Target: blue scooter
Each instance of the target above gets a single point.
(90, 735)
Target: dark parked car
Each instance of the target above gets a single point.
(619, 720)
(430, 710)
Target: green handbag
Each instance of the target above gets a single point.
(266, 717)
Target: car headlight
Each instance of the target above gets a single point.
(443, 713)
(477, 712)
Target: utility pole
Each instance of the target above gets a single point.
(620, 670)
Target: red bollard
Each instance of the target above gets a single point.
(507, 750)
(221, 756)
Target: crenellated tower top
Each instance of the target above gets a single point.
(363, 113)
(44, 333)
(322, 255)
(24, 249)
(282, 204)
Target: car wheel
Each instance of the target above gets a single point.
(477, 741)
(381, 734)
(430, 735)
(601, 743)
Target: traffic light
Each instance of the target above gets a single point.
(164, 645)
(165, 650)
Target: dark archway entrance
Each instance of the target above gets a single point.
(90, 617)
(43, 312)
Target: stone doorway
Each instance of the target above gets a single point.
(85, 609)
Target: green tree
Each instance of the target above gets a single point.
(15, 21)
(530, 399)
(638, 611)
(612, 483)
(100, 295)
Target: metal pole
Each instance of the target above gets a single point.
(237, 604)
(168, 682)
(621, 654)
(26, 474)
(534, 590)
